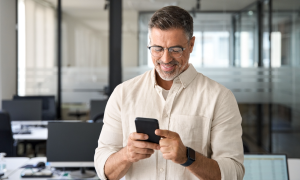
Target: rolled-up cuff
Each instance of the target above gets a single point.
(229, 170)
(99, 162)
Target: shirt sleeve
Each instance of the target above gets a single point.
(110, 140)
(226, 138)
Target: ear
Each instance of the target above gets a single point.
(192, 43)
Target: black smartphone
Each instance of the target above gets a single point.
(147, 126)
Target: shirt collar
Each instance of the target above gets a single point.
(185, 78)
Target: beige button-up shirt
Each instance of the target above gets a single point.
(204, 113)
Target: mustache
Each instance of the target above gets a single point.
(173, 62)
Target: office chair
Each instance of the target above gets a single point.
(98, 118)
(7, 143)
(97, 109)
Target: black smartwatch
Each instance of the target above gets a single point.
(190, 154)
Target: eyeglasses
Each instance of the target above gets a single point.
(158, 51)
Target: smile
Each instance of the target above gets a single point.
(165, 67)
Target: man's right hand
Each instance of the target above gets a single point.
(137, 149)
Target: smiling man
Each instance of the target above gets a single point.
(200, 123)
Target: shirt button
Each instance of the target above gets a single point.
(161, 169)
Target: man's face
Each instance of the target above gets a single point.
(167, 66)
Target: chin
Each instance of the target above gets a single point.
(168, 76)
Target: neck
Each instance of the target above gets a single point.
(163, 83)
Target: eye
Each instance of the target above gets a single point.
(175, 49)
(157, 49)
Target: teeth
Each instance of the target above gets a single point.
(168, 66)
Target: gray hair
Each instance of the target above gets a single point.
(172, 17)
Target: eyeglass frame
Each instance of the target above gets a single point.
(182, 48)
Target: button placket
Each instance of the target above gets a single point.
(161, 167)
(166, 115)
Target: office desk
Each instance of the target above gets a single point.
(36, 134)
(13, 164)
(40, 122)
(16, 174)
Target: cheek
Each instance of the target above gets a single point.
(153, 60)
(185, 58)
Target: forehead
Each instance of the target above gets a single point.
(168, 37)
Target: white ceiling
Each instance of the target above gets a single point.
(152, 5)
(92, 11)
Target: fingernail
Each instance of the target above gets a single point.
(146, 137)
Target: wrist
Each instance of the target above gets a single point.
(185, 158)
(124, 155)
(191, 157)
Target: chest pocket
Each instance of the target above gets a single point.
(194, 131)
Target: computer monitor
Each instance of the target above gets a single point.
(97, 107)
(266, 167)
(73, 144)
(25, 110)
(48, 105)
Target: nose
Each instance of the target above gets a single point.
(166, 58)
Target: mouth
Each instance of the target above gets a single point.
(167, 68)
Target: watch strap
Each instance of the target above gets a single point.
(190, 160)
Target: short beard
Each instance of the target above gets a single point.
(169, 76)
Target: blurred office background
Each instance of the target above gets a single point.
(251, 47)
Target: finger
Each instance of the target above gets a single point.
(165, 133)
(138, 136)
(167, 156)
(164, 142)
(145, 145)
(165, 150)
(142, 150)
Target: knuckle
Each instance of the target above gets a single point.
(131, 135)
(145, 151)
(176, 134)
(143, 144)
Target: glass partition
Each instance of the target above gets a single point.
(85, 34)
(37, 70)
(285, 62)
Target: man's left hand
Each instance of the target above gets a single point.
(171, 146)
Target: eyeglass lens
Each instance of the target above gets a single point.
(175, 52)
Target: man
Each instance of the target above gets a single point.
(199, 119)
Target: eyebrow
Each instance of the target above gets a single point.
(168, 47)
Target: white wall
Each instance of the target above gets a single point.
(130, 39)
(98, 31)
(7, 49)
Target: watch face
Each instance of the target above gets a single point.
(192, 153)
